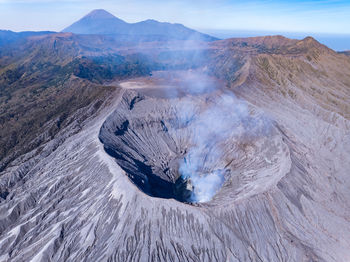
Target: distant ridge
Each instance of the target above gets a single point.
(276, 44)
(345, 53)
(101, 22)
(8, 37)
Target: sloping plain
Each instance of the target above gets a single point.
(68, 200)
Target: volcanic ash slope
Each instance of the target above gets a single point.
(77, 203)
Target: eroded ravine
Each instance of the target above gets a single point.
(85, 207)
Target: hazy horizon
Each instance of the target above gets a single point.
(325, 20)
(337, 42)
(320, 16)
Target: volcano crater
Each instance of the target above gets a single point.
(154, 140)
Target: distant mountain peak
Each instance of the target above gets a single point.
(99, 14)
(309, 40)
(151, 20)
(98, 21)
(310, 43)
(101, 22)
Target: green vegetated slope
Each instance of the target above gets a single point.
(44, 80)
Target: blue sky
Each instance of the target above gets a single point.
(320, 16)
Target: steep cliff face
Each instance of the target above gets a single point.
(285, 196)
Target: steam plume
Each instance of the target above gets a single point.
(223, 119)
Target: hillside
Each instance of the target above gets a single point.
(9, 37)
(44, 80)
(298, 70)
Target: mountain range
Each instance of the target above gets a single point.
(102, 22)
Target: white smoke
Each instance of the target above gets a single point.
(224, 118)
(220, 119)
